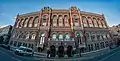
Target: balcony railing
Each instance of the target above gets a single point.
(61, 39)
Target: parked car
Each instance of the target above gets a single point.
(24, 51)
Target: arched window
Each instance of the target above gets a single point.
(14, 34)
(21, 35)
(27, 36)
(18, 22)
(93, 36)
(24, 35)
(43, 34)
(17, 35)
(88, 36)
(108, 35)
(30, 21)
(54, 20)
(104, 36)
(44, 20)
(99, 23)
(54, 36)
(25, 22)
(42, 38)
(95, 22)
(78, 34)
(101, 38)
(98, 36)
(76, 20)
(66, 20)
(103, 23)
(21, 23)
(84, 21)
(67, 36)
(90, 22)
(60, 36)
(33, 36)
(60, 20)
(36, 22)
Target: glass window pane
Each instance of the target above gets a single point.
(60, 36)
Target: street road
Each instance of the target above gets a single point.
(7, 55)
(112, 57)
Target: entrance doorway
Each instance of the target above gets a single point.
(61, 51)
(40, 49)
(69, 51)
(52, 51)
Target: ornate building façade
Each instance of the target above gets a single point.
(61, 27)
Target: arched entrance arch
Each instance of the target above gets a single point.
(52, 51)
(39, 49)
(61, 51)
(69, 51)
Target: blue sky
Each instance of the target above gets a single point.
(10, 8)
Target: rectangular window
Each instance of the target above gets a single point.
(90, 47)
(96, 46)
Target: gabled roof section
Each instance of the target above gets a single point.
(32, 13)
(83, 12)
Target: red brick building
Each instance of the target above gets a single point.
(66, 27)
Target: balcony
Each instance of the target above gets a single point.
(64, 42)
(61, 39)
